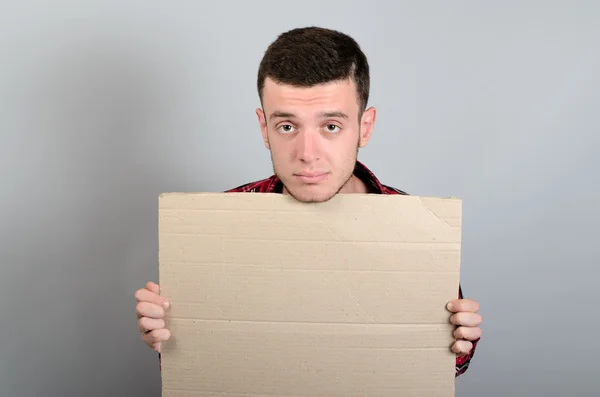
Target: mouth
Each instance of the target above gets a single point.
(311, 177)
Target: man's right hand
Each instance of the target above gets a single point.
(151, 309)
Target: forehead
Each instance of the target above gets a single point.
(331, 95)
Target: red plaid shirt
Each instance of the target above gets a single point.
(273, 185)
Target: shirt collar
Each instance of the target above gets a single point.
(360, 171)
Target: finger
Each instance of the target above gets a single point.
(466, 319)
(153, 287)
(463, 305)
(146, 324)
(467, 333)
(145, 295)
(156, 346)
(158, 335)
(147, 309)
(462, 347)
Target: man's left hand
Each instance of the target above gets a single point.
(467, 322)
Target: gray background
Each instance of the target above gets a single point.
(105, 105)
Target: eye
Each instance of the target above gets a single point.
(286, 128)
(332, 128)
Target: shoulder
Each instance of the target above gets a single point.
(392, 190)
(261, 186)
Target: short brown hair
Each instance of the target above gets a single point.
(305, 57)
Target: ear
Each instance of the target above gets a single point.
(367, 123)
(262, 121)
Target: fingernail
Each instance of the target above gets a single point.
(166, 304)
(450, 306)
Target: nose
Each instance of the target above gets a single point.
(308, 147)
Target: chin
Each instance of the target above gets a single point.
(312, 194)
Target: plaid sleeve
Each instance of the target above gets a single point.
(463, 362)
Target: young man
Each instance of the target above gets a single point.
(313, 84)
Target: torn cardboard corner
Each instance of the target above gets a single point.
(273, 297)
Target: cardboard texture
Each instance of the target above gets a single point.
(272, 297)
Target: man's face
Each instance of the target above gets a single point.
(314, 135)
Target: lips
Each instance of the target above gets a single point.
(310, 174)
(311, 177)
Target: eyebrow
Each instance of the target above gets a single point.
(281, 115)
(338, 114)
(278, 114)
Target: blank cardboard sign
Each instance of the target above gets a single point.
(273, 297)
